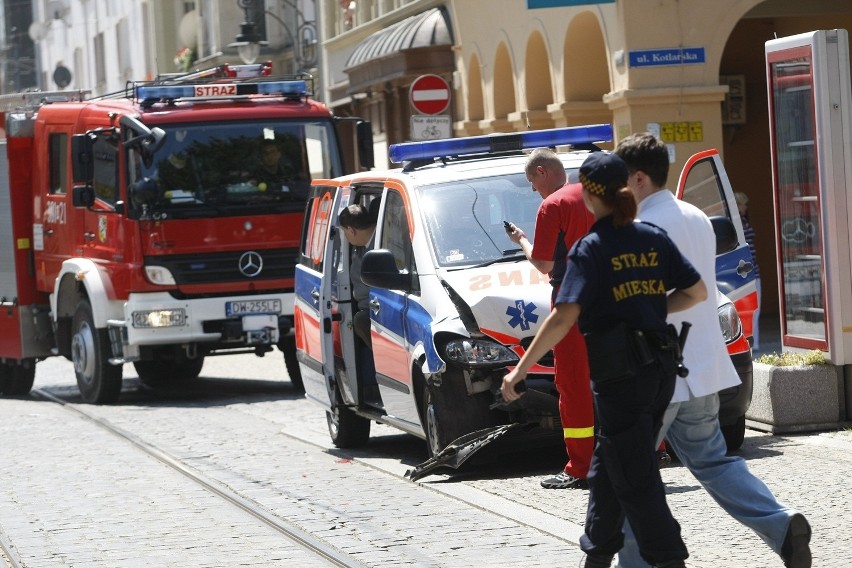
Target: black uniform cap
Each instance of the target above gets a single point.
(603, 171)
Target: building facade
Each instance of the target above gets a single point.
(99, 45)
(690, 69)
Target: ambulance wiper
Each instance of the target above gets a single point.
(511, 255)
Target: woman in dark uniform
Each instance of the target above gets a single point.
(617, 287)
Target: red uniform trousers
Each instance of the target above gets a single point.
(576, 409)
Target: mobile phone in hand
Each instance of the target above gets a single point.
(508, 226)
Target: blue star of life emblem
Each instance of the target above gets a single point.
(522, 314)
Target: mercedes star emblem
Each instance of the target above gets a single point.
(251, 263)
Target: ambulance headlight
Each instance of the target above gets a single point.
(729, 321)
(479, 353)
(159, 275)
(175, 317)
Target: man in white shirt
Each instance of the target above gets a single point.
(691, 423)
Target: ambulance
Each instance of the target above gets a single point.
(454, 303)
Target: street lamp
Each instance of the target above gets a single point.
(248, 41)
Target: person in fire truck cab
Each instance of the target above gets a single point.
(274, 172)
(175, 173)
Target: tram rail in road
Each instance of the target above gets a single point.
(298, 536)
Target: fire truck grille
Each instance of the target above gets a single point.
(221, 267)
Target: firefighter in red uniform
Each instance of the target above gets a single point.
(561, 220)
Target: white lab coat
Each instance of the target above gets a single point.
(706, 356)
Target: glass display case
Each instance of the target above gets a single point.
(810, 121)
(797, 195)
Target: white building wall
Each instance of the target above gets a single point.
(102, 42)
(105, 43)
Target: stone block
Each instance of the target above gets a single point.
(797, 398)
(847, 388)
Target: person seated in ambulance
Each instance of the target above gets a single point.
(359, 227)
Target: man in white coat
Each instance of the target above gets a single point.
(691, 423)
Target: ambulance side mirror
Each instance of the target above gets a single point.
(726, 234)
(379, 270)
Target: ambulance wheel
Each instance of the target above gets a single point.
(99, 381)
(448, 412)
(158, 372)
(347, 429)
(734, 434)
(17, 378)
(288, 346)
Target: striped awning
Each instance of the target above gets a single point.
(402, 49)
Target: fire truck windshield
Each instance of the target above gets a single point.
(231, 168)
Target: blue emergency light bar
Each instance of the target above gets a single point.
(153, 93)
(508, 142)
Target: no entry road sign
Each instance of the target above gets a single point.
(429, 94)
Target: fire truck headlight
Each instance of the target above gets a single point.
(159, 275)
(479, 353)
(159, 318)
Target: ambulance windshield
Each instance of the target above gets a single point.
(465, 218)
(231, 168)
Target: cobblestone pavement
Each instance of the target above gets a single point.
(63, 504)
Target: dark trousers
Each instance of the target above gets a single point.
(624, 479)
(361, 325)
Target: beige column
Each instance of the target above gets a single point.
(579, 113)
(689, 117)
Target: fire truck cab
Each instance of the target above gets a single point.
(159, 226)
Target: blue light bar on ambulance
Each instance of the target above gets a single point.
(154, 93)
(507, 142)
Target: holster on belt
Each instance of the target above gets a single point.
(668, 347)
(620, 351)
(617, 353)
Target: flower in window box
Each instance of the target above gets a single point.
(184, 59)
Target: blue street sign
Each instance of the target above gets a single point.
(532, 4)
(671, 56)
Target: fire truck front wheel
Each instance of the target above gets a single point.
(16, 378)
(163, 371)
(99, 381)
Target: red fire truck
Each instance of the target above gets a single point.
(160, 225)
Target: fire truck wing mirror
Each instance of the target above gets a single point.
(379, 270)
(81, 157)
(726, 235)
(149, 140)
(83, 196)
(364, 131)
